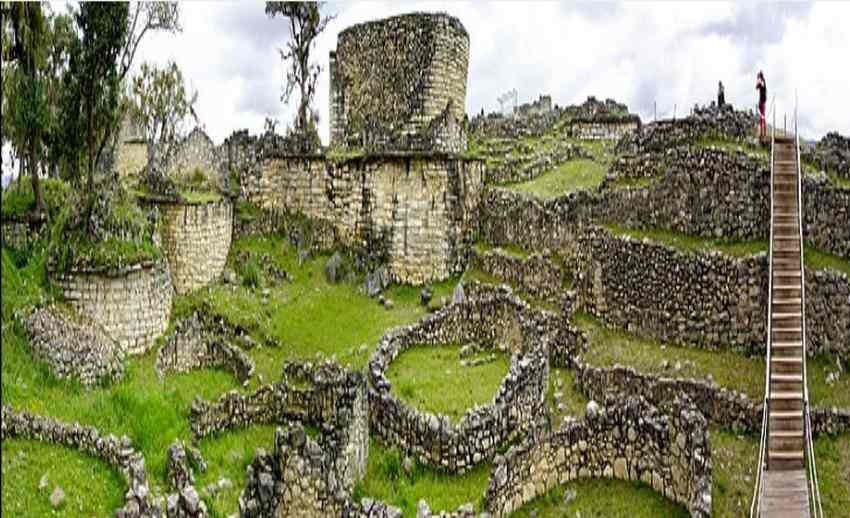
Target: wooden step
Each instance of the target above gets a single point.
(786, 345)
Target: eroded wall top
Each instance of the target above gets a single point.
(399, 84)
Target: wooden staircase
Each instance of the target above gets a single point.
(785, 488)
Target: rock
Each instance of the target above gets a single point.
(407, 465)
(376, 281)
(229, 276)
(388, 303)
(426, 295)
(592, 409)
(333, 268)
(225, 483)
(569, 495)
(422, 509)
(57, 497)
(665, 364)
(43, 482)
(458, 296)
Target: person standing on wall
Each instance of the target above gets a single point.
(721, 95)
(761, 86)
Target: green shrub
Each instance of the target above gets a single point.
(18, 198)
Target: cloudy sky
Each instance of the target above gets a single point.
(655, 57)
(650, 56)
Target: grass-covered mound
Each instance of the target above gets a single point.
(434, 379)
(113, 233)
(570, 176)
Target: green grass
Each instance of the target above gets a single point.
(734, 459)
(574, 403)
(92, 487)
(832, 455)
(307, 315)
(570, 176)
(822, 260)
(432, 379)
(232, 452)
(18, 198)
(602, 498)
(509, 249)
(814, 258)
(729, 369)
(200, 196)
(386, 480)
(691, 243)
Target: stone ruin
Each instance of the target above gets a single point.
(399, 84)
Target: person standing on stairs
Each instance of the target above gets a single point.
(761, 86)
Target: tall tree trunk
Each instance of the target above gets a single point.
(38, 209)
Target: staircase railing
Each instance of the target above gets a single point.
(814, 490)
(754, 508)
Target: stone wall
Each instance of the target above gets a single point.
(722, 407)
(73, 346)
(539, 275)
(318, 473)
(524, 166)
(702, 191)
(705, 299)
(131, 157)
(133, 305)
(196, 151)
(826, 215)
(400, 84)
(196, 240)
(420, 211)
(626, 439)
(201, 342)
(501, 322)
(118, 453)
(15, 233)
(703, 122)
(613, 128)
(710, 300)
(828, 313)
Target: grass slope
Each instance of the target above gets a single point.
(570, 176)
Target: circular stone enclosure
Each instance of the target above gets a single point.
(196, 240)
(497, 317)
(132, 305)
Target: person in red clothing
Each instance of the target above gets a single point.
(761, 86)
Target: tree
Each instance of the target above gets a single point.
(27, 102)
(160, 103)
(305, 25)
(144, 17)
(104, 31)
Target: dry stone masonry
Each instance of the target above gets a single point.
(118, 453)
(626, 439)
(705, 299)
(423, 209)
(400, 84)
(133, 304)
(196, 240)
(498, 320)
(541, 276)
(204, 342)
(74, 347)
(302, 476)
